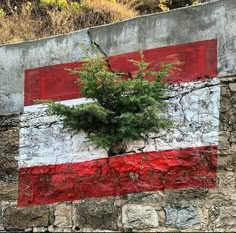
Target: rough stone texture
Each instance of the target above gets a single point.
(227, 218)
(20, 219)
(187, 217)
(192, 106)
(227, 133)
(9, 141)
(97, 214)
(183, 218)
(139, 216)
(1, 218)
(42, 135)
(63, 216)
(184, 209)
(171, 215)
(227, 140)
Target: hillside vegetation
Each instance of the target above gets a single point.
(22, 20)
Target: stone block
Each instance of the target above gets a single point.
(139, 216)
(232, 86)
(227, 182)
(187, 217)
(9, 141)
(161, 217)
(171, 215)
(227, 139)
(96, 214)
(21, 218)
(40, 229)
(8, 191)
(182, 217)
(1, 218)
(227, 218)
(63, 216)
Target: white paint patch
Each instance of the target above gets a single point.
(193, 106)
(42, 107)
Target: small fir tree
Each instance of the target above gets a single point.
(124, 109)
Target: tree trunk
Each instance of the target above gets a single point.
(117, 148)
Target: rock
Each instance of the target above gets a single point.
(96, 214)
(232, 87)
(227, 218)
(9, 140)
(67, 229)
(171, 215)
(1, 218)
(8, 191)
(187, 217)
(139, 216)
(40, 229)
(227, 183)
(21, 218)
(182, 218)
(161, 217)
(63, 216)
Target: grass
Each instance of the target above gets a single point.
(26, 25)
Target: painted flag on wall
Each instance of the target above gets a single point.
(58, 165)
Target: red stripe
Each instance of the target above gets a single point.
(51, 82)
(199, 60)
(172, 169)
(54, 82)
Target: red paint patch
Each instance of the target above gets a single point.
(54, 82)
(172, 169)
(199, 60)
(51, 82)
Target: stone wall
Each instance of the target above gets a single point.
(188, 209)
(182, 210)
(203, 22)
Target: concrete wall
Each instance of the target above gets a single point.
(206, 115)
(15, 58)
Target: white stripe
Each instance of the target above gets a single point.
(40, 107)
(193, 106)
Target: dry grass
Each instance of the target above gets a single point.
(17, 28)
(27, 26)
(42, 22)
(117, 10)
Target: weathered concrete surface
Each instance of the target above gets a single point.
(15, 58)
(215, 20)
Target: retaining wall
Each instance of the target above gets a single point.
(52, 179)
